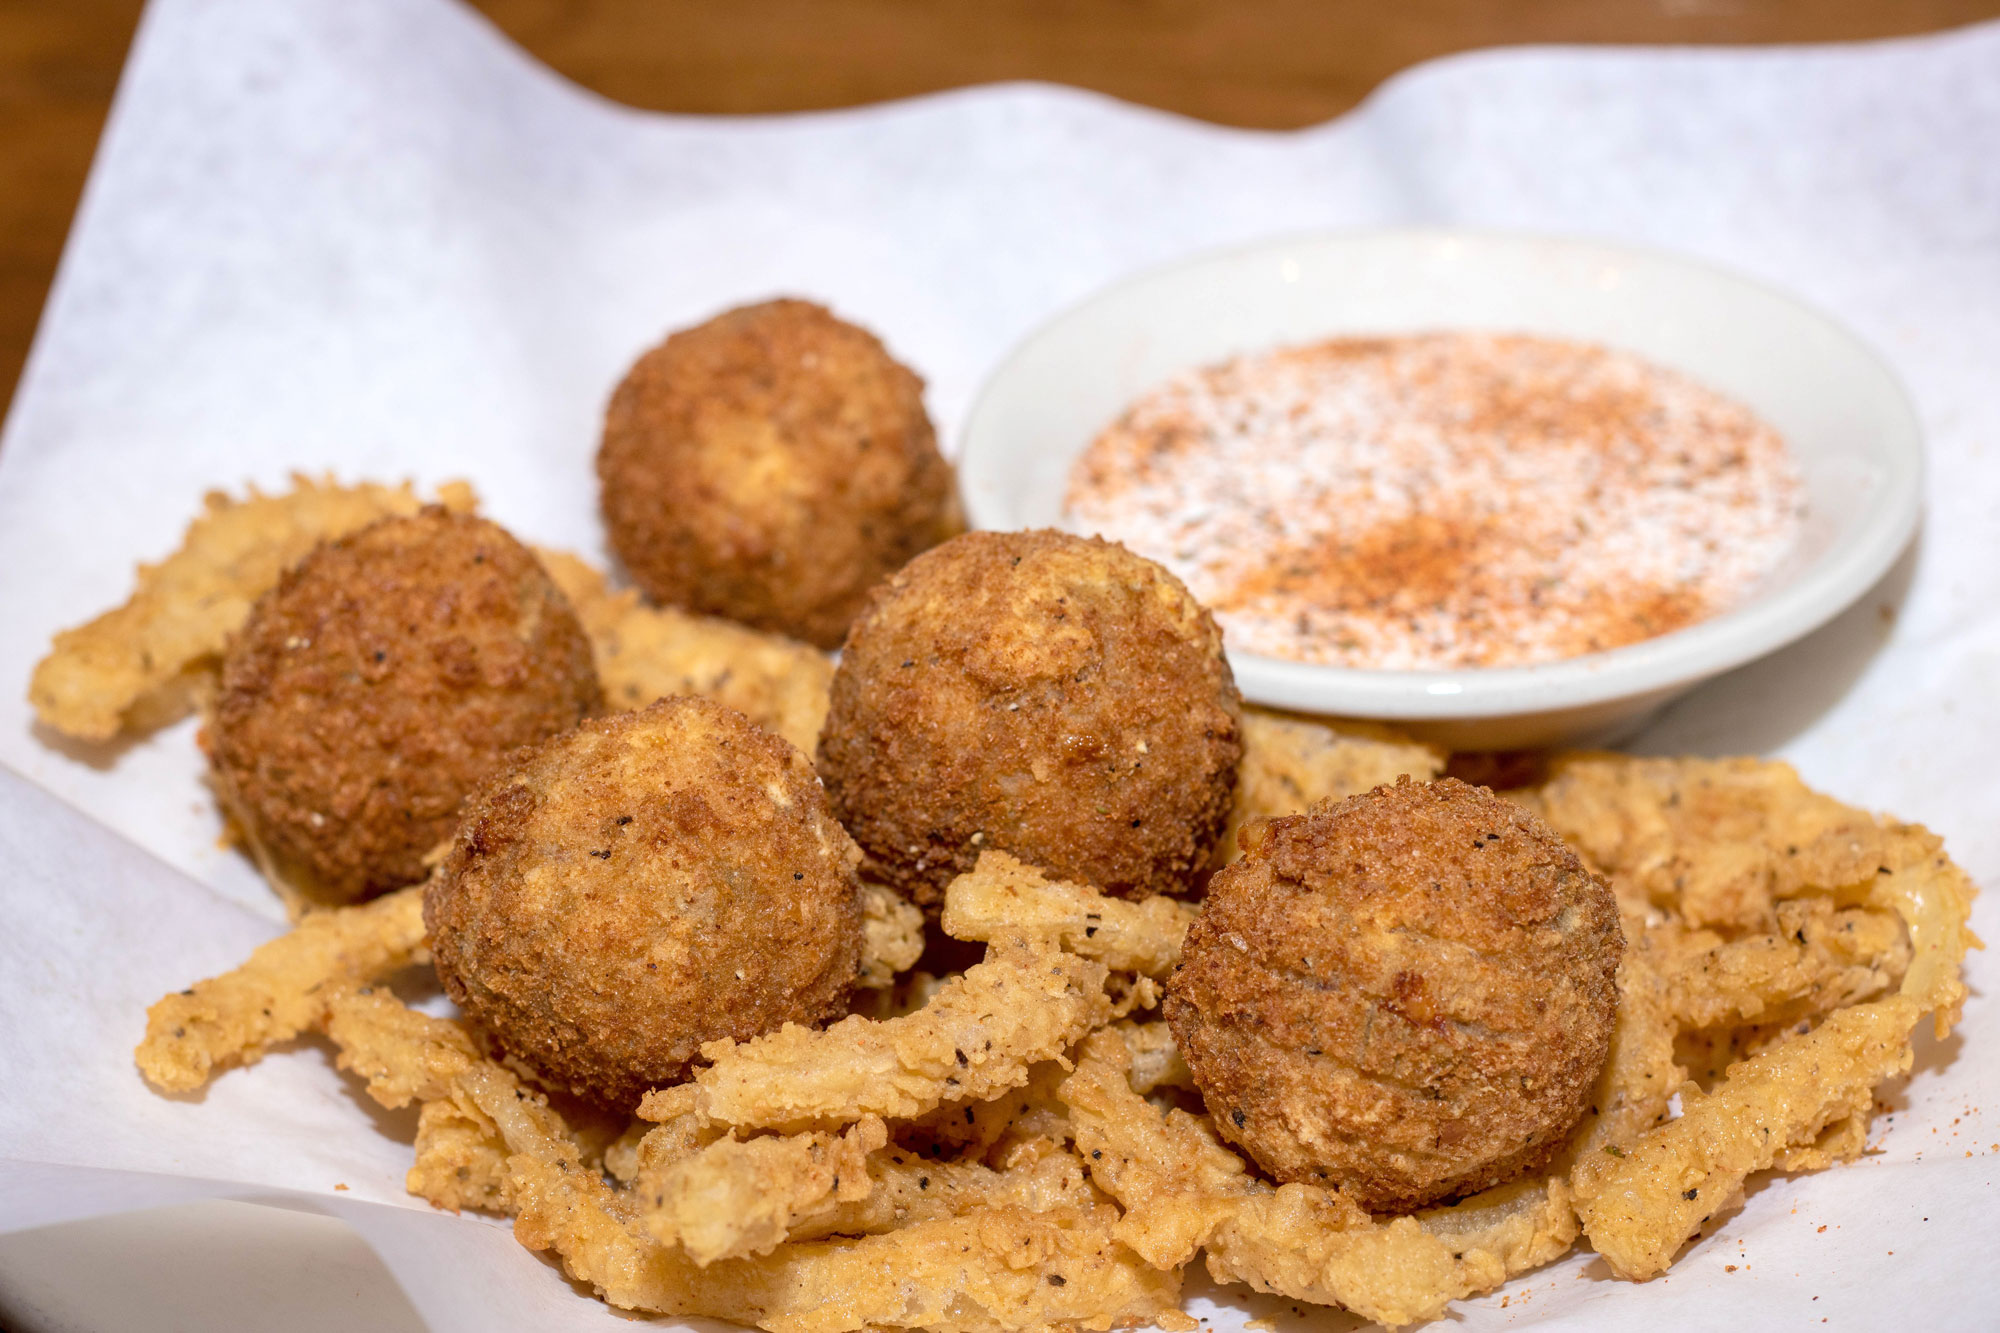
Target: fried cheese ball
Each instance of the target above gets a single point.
(386, 676)
(639, 886)
(771, 466)
(1409, 994)
(1055, 697)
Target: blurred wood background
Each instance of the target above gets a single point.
(1265, 63)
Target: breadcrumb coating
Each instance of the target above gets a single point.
(640, 886)
(1408, 994)
(771, 466)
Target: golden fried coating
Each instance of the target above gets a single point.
(280, 991)
(640, 886)
(385, 676)
(1001, 897)
(771, 466)
(1408, 994)
(948, 1165)
(1051, 696)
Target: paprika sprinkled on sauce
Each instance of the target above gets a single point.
(1444, 500)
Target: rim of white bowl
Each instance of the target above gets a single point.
(1766, 623)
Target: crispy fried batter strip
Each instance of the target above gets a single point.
(1176, 1181)
(1640, 1074)
(473, 1111)
(740, 1197)
(1717, 841)
(648, 652)
(1819, 959)
(892, 936)
(1640, 1204)
(1002, 896)
(991, 1271)
(666, 1105)
(1918, 882)
(987, 1272)
(621, 1155)
(1156, 1060)
(1508, 1229)
(145, 663)
(1183, 1190)
(976, 1038)
(404, 1056)
(989, 1130)
(906, 1189)
(1290, 763)
(1296, 1243)
(281, 991)
(1805, 1099)
(461, 1159)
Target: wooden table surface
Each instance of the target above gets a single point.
(1273, 63)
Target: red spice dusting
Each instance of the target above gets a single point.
(1444, 500)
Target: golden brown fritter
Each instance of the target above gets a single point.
(1051, 696)
(387, 675)
(642, 885)
(771, 466)
(1408, 993)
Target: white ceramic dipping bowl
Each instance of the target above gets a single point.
(1840, 409)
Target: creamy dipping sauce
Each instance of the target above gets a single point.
(1444, 500)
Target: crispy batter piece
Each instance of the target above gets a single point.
(892, 936)
(1290, 763)
(1803, 1100)
(462, 1153)
(740, 1197)
(995, 1130)
(1639, 1205)
(1640, 1074)
(1820, 958)
(1715, 841)
(649, 652)
(282, 990)
(402, 1055)
(1156, 1061)
(976, 1038)
(948, 1167)
(985, 1272)
(149, 662)
(461, 1160)
(905, 1188)
(1002, 895)
(999, 1268)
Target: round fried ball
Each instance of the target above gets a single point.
(386, 676)
(771, 466)
(1051, 696)
(642, 885)
(1409, 994)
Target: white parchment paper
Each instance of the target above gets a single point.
(370, 236)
